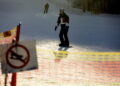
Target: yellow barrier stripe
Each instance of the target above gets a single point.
(101, 57)
(81, 56)
(83, 53)
(85, 59)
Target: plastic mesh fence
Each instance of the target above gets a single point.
(63, 68)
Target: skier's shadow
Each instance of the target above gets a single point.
(61, 53)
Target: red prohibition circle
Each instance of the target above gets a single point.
(17, 46)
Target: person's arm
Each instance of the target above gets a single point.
(58, 22)
(67, 20)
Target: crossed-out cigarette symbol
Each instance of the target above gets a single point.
(15, 56)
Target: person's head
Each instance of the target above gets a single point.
(62, 11)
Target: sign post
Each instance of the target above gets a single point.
(14, 75)
(18, 56)
(6, 76)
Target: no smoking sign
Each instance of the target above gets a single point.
(17, 56)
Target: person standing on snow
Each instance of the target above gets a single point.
(46, 7)
(63, 21)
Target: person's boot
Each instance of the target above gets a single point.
(66, 45)
(61, 44)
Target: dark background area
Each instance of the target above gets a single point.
(98, 6)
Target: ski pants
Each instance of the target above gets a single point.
(63, 35)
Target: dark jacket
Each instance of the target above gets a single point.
(64, 17)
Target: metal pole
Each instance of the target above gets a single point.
(14, 75)
(6, 76)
